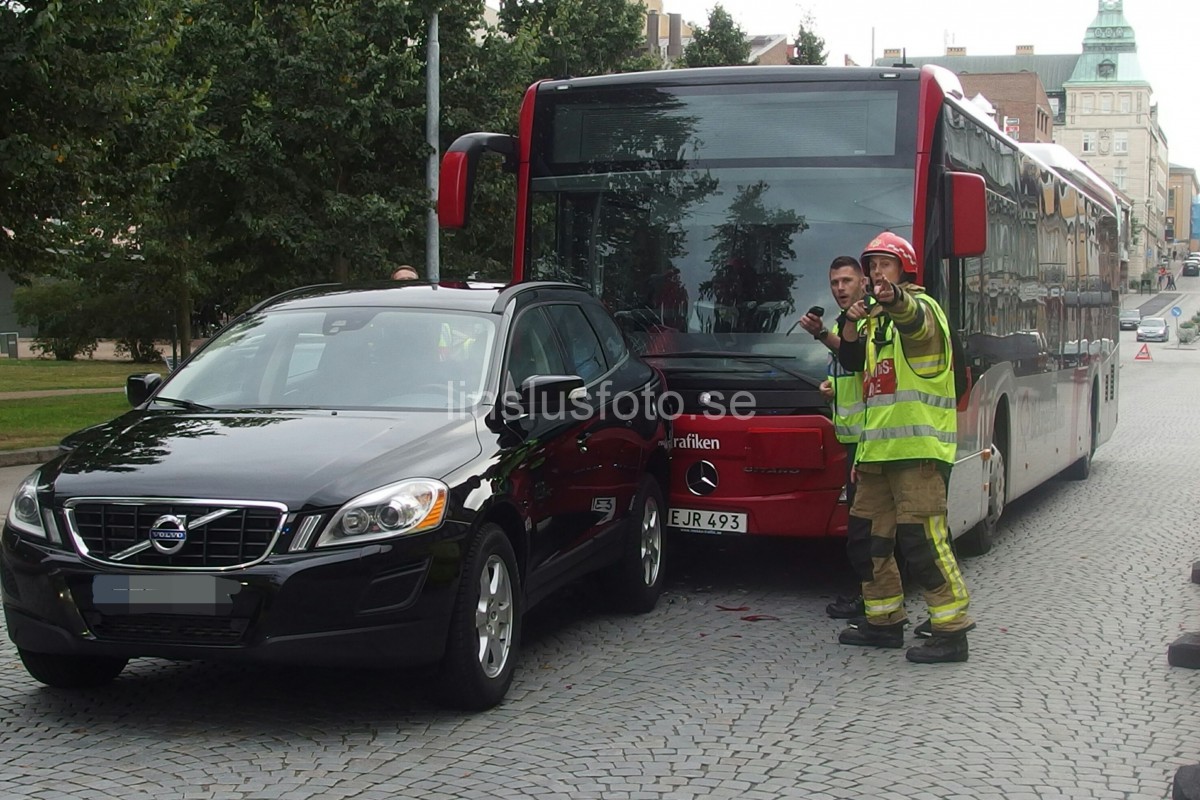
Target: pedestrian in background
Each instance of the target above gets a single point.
(405, 273)
(904, 457)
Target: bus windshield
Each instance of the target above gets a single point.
(717, 241)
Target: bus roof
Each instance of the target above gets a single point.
(701, 76)
(1064, 162)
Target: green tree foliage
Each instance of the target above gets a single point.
(810, 48)
(311, 128)
(721, 44)
(64, 313)
(581, 37)
(176, 160)
(88, 130)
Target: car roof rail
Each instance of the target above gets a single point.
(286, 294)
(511, 291)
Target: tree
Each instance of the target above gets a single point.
(89, 131)
(810, 48)
(313, 166)
(581, 37)
(721, 44)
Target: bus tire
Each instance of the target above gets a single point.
(979, 539)
(1082, 469)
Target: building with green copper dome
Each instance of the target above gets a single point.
(1111, 123)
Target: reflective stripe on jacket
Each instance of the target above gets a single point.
(907, 416)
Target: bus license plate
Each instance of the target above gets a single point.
(693, 519)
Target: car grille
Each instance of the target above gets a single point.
(117, 532)
(167, 628)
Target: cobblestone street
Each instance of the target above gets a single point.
(1067, 692)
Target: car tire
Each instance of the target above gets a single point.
(485, 626)
(636, 581)
(71, 671)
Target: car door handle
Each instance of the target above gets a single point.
(581, 441)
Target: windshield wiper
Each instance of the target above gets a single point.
(714, 354)
(188, 404)
(766, 358)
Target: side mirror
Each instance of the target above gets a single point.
(966, 211)
(456, 179)
(138, 388)
(550, 394)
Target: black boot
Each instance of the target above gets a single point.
(846, 607)
(925, 629)
(875, 635)
(940, 648)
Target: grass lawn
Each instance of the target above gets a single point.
(32, 374)
(43, 421)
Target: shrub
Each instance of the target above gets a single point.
(62, 311)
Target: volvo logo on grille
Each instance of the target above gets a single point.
(702, 478)
(169, 534)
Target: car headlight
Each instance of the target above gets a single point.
(409, 506)
(25, 512)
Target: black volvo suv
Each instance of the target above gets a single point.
(366, 475)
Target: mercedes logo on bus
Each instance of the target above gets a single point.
(168, 534)
(702, 478)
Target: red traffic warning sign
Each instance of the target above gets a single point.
(1143, 354)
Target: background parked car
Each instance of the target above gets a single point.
(1191, 267)
(1129, 319)
(349, 475)
(1153, 329)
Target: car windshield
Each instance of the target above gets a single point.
(1135, 314)
(344, 357)
(1154, 323)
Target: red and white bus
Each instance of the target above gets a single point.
(704, 207)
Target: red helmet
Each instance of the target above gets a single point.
(889, 244)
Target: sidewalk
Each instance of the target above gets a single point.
(32, 393)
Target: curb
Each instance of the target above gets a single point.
(32, 455)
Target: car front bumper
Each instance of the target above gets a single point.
(386, 603)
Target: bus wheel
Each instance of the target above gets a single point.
(979, 539)
(1082, 469)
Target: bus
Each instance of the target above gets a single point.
(704, 207)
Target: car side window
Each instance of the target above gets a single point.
(532, 349)
(585, 357)
(611, 338)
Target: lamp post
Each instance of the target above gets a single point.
(432, 124)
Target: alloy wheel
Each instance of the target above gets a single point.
(651, 541)
(494, 616)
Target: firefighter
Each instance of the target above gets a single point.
(903, 348)
(842, 389)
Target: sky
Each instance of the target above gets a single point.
(1166, 33)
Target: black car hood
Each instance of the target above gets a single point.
(301, 458)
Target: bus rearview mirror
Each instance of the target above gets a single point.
(456, 179)
(967, 204)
